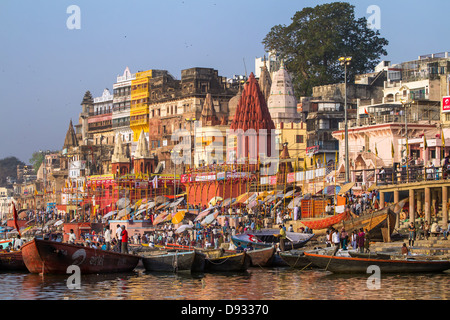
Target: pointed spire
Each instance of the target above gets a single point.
(119, 155)
(142, 150)
(87, 99)
(71, 138)
(209, 116)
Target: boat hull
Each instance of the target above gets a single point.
(360, 265)
(51, 257)
(170, 262)
(268, 239)
(295, 259)
(261, 257)
(12, 261)
(232, 263)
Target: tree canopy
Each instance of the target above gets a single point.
(8, 168)
(315, 40)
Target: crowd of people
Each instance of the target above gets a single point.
(343, 240)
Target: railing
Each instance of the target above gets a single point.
(413, 174)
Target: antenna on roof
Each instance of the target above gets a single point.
(245, 67)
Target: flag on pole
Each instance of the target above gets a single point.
(376, 150)
(425, 145)
(365, 111)
(443, 144)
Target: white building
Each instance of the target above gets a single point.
(121, 106)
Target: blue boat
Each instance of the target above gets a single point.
(267, 238)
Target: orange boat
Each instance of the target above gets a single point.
(327, 222)
(52, 257)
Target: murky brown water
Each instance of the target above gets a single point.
(255, 284)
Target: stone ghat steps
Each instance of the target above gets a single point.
(430, 246)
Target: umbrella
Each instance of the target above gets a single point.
(49, 223)
(209, 219)
(203, 213)
(214, 200)
(295, 202)
(163, 205)
(288, 194)
(159, 218)
(122, 203)
(346, 187)
(183, 228)
(175, 203)
(160, 199)
(109, 214)
(178, 217)
(122, 213)
(151, 205)
(59, 222)
(228, 202)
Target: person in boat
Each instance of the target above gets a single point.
(107, 236)
(239, 248)
(72, 237)
(8, 247)
(124, 245)
(18, 243)
(405, 250)
(249, 247)
(366, 241)
(328, 238)
(343, 235)
(360, 239)
(335, 237)
(282, 237)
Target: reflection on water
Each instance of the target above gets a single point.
(254, 284)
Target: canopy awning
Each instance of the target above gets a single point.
(346, 187)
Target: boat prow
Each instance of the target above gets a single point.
(51, 257)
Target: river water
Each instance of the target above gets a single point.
(255, 284)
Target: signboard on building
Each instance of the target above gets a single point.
(446, 104)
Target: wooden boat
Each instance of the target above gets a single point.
(339, 264)
(261, 257)
(296, 259)
(370, 255)
(380, 224)
(232, 262)
(12, 261)
(201, 255)
(169, 262)
(267, 238)
(51, 257)
(326, 222)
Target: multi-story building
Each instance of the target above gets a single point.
(121, 107)
(140, 98)
(177, 105)
(100, 120)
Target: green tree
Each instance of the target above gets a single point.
(36, 160)
(317, 37)
(8, 168)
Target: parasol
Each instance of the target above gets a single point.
(175, 203)
(178, 217)
(228, 202)
(122, 213)
(122, 203)
(160, 218)
(183, 228)
(203, 213)
(209, 219)
(59, 222)
(214, 200)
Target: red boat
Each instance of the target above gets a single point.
(51, 257)
(327, 222)
(12, 261)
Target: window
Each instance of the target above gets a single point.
(299, 138)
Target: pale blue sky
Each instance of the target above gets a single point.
(46, 68)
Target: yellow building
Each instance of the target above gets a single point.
(139, 103)
(294, 134)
